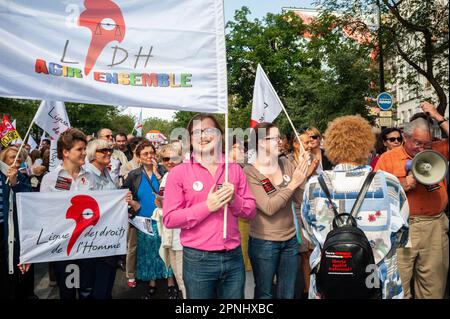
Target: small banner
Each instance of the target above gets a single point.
(72, 225)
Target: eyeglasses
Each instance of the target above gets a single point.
(106, 150)
(275, 138)
(207, 132)
(147, 154)
(393, 139)
(108, 136)
(426, 145)
(422, 144)
(314, 137)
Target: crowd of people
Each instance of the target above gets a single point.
(278, 214)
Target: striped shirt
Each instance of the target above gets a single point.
(383, 217)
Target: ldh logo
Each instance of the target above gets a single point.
(85, 212)
(105, 20)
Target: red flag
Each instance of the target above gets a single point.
(8, 132)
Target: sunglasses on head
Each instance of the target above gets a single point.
(174, 159)
(105, 150)
(393, 139)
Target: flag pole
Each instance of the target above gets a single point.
(285, 112)
(21, 145)
(225, 209)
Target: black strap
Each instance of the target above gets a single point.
(149, 181)
(359, 200)
(324, 187)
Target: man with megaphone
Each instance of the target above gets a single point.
(421, 166)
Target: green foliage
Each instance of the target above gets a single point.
(153, 123)
(414, 31)
(86, 117)
(317, 79)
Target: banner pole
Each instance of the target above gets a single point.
(285, 112)
(225, 209)
(21, 145)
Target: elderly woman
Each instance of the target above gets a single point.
(171, 249)
(273, 245)
(382, 217)
(98, 157)
(11, 280)
(144, 185)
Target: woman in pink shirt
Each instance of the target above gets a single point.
(195, 196)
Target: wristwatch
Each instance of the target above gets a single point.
(442, 121)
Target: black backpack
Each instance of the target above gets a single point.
(346, 254)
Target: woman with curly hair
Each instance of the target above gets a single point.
(382, 217)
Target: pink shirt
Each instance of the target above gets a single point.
(185, 206)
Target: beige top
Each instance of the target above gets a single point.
(274, 219)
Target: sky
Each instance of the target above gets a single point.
(259, 9)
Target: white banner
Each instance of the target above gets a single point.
(145, 53)
(32, 143)
(266, 104)
(138, 125)
(52, 117)
(71, 225)
(53, 161)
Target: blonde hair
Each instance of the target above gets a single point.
(349, 139)
(93, 146)
(314, 131)
(164, 149)
(5, 151)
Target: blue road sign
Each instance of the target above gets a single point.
(385, 101)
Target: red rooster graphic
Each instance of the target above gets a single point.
(85, 212)
(105, 20)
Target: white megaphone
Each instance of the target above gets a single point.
(429, 168)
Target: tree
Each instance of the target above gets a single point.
(317, 79)
(153, 123)
(88, 118)
(416, 31)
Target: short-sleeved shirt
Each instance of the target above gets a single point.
(421, 201)
(60, 180)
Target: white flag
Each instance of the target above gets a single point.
(266, 103)
(71, 225)
(52, 118)
(138, 125)
(32, 142)
(54, 161)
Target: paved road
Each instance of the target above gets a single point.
(120, 291)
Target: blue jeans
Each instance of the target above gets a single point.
(270, 258)
(212, 275)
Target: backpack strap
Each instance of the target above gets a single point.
(359, 200)
(325, 189)
(149, 181)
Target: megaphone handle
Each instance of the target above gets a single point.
(410, 182)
